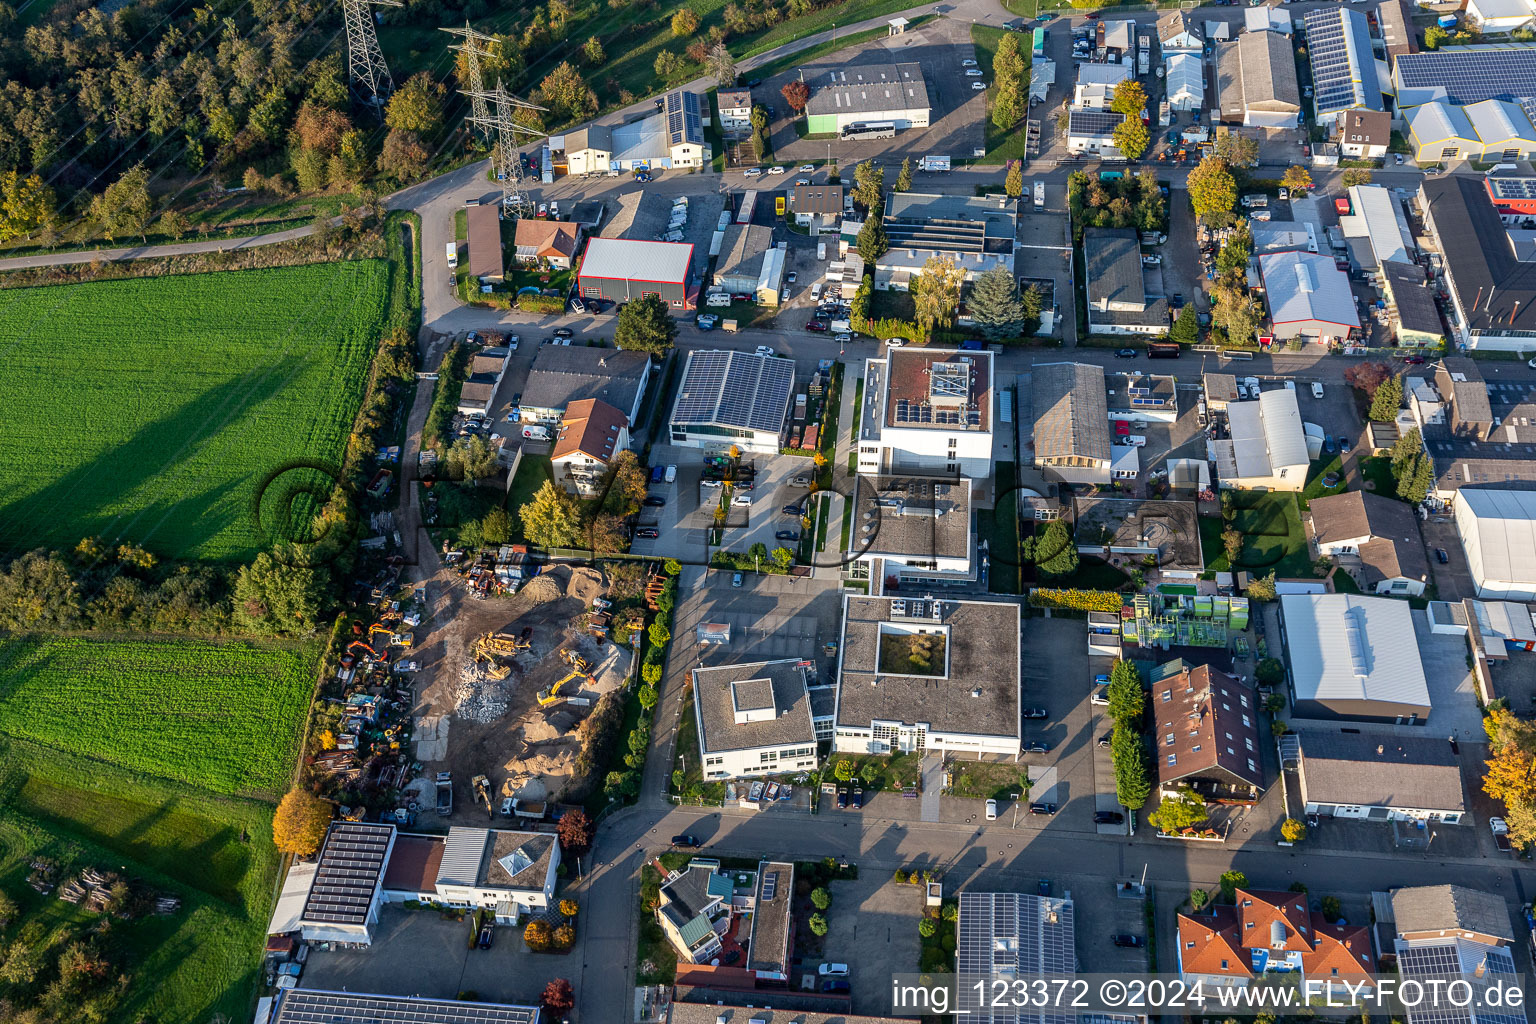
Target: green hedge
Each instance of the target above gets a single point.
(888, 328)
(1076, 600)
(528, 302)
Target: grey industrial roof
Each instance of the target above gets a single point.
(867, 89)
(1304, 286)
(1011, 935)
(632, 259)
(983, 652)
(911, 517)
(595, 136)
(769, 946)
(1113, 257)
(564, 374)
(1413, 297)
(1494, 289)
(1499, 535)
(998, 216)
(1350, 647)
(717, 690)
(1433, 908)
(1383, 770)
(1459, 380)
(1257, 71)
(742, 249)
(734, 389)
(823, 701)
(351, 863)
(319, 1006)
(1071, 411)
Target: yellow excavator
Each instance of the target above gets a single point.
(579, 668)
(483, 793)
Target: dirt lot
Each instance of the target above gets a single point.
(496, 727)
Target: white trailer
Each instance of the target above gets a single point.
(934, 163)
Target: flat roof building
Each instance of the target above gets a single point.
(1017, 936)
(1070, 421)
(1448, 929)
(498, 869)
(755, 718)
(1354, 658)
(974, 232)
(865, 94)
(319, 1006)
(344, 896)
(913, 532)
(773, 921)
(1498, 534)
(1379, 777)
(927, 412)
(732, 398)
(563, 374)
(933, 674)
(1460, 75)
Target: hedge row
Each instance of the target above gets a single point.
(1076, 600)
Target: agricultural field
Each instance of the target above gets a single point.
(181, 968)
(223, 717)
(151, 410)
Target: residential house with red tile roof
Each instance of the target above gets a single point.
(1270, 932)
(592, 433)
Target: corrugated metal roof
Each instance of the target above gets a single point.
(1303, 286)
(1438, 122)
(1498, 530)
(1349, 647)
(1500, 121)
(1283, 433)
(462, 856)
(628, 259)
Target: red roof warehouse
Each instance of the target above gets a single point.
(621, 269)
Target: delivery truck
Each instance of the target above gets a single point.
(938, 164)
(453, 255)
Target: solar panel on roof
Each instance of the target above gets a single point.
(1513, 188)
(1339, 47)
(1471, 76)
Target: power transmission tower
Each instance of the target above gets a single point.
(365, 61)
(474, 47)
(509, 166)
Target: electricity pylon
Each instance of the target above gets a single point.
(474, 47)
(365, 61)
(509, 167)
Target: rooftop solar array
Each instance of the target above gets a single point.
(1513, 188)
(1343, 71)
(684, 122)
(350, 865)
(1008, 936)
(1446, 960)
(735, 389)
(311, 1006)
(1470, 76)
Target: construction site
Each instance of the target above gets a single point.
(507, 683)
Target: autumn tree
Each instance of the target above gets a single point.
(592, 52)
(538, 935)
(124, 208)
(1212, 189)
(403, 157)
(299, 824)
(1297, 179)
(1013, 181)
(1355, 176)
(1131, 137)
(558, 997)
(417, 105)
(1231, 543)
(567, 95)
(27, 205)
(1235, 312)
(1236, 149)
(796, 94)
(552, 519)
(936, 293)
(1293, 830)
(684, 23)
(575, 831)
(1510, 773)
(1367, 377)
(1129, 99)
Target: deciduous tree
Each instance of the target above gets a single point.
(936, 293)
(272, 596)
(593, 53)
(1230, 882)
(1355, 176)
(558, 997)
(299, 824)
(1131, 137)
(567, 95)
(575, 830)
(538, 935)
(417, 106)
(1129, 99)
(722, 66)
(1179, 811)
(125, 207)
(1237, 149)
(1013, 181)
(684, 23)
(1293, 830)
(27, 205)
(796, 94)
(1297, 179)
(645, 325)
(552, 519)
(1235, 312)
(1212, 189)
(1367, 376)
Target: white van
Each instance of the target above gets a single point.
(744, 500)
(816, 290)
(673, 236)
(1136, 441)
(840, 327)
(453, 255)
(821, 250)
(1317, 389)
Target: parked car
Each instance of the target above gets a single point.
(686, 839)
(577, 306)
(648, 532)
(1101, 678)
(1043, 887)
(819, 326)
(1128, 941)
(487, 936)
(978, 87)
(1151, 260)
(775, 170)
(833, 970)
(1108, 818)
(790, 277)
(843, 338)
(967, 63)
(1100, 696)
(752, 172)
(654, 501)
(1344, 445)
(973, 72)
(740, 297)
(564, 332)
(736, 580)
(1127, 353)
(543, 210)
(765, 350)
(1037, 747)
(1414, 360)
(842, 796)
(807, 168)
(1317, 389)
(792, 510)
(991, 810)
(1036, 713)
(858, 796)
(1039, 808)
(789, 535)
(1329, 445)
(1106, 739)
(1442, 557)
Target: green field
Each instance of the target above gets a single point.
(1002, 144)
(149, 410)
(224, 717)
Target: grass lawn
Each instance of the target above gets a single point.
(1273, 535)
(821, 49)
(896, 772)
(1094, 574)
(460, 225)
(531, 474)
(519, 278)
(988, 780)
(656, 963)
(1320, 468)
(1002, 144)
(153, 410)
(1211, 547)
(1377, 470)
(1000, 527)
(223, 716)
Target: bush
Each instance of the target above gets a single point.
(947, 942)
(1293, 830)
(821, 899)
(1075, 600)
(951, 912)
(530, 302)
(900, 877)
(818, 924)
(926, 927)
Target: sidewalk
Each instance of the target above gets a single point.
(842, 480)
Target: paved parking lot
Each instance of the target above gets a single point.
(873, 929)
(1100, 913)
(1042, 251)
(1057, 677)
(418, 953)
(685, 520)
